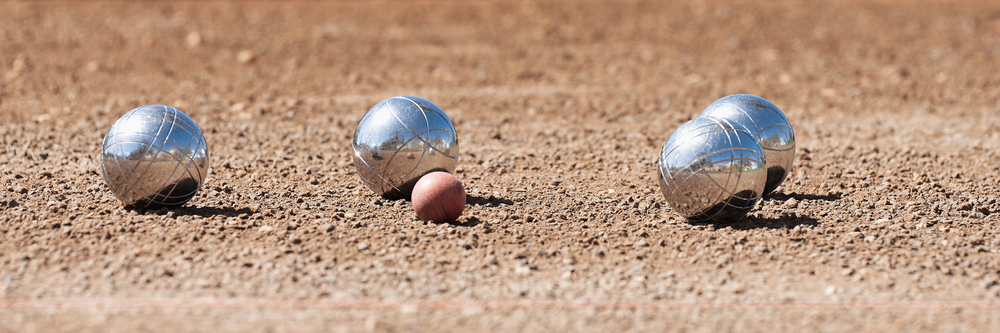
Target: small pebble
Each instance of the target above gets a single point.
(245, 57)
(193, 39)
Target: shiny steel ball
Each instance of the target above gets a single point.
(769, 126)
(711, 170)
(401, 139)
(154, 156)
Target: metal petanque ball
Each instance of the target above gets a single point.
(401, 139)
(768, 124)
(711, 169)
(154, 156)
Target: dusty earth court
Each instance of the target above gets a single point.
(890, 220)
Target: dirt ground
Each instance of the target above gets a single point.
(890, 220)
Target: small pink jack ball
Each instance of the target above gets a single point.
(438, 196)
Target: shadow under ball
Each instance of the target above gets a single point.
(154, 156)
(768, 125)
(401, 139)
(711, 170)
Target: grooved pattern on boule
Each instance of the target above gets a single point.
(154, 156)
(399, 140)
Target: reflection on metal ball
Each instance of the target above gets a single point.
(711, 170)
(401, 139)
(768, 125)
(154, 156)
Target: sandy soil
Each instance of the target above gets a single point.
(890, 220)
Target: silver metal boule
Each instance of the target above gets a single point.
(154, 156)
(711, 170)
(768, 125)
(401, 139)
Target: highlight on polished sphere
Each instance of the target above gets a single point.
(769, 127)
(154, 156)
(711, 170)
(401, 139)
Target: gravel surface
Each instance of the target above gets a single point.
(892, 209)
